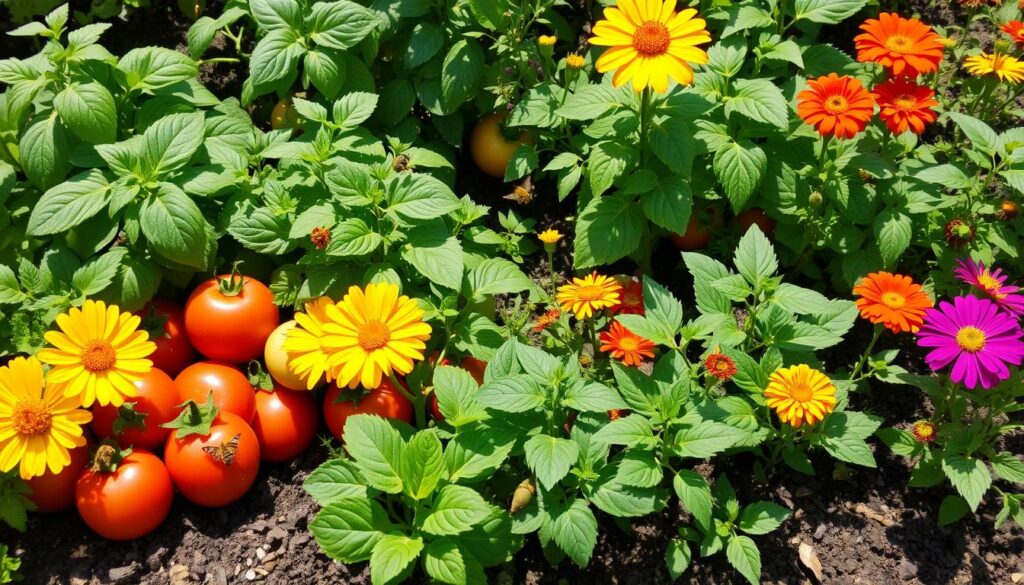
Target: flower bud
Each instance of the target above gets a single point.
(815, 199)
(522, 496)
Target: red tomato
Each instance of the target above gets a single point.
(757, 216)
(286, 422)
(220, 475)
(173, 349)
(699, 230)
(491, 150)
(128, 502)
(385, 401)
(228, 324)
(157, 398)
(475, 367)
(232, 391)
(56, 492)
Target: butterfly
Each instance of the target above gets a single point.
(225, 453)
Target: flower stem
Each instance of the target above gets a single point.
(419, 401)
(645, 120)
(867, 353)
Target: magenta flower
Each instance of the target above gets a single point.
(991, 282)
(981, 341)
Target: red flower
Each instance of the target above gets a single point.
(905, 46)
(905, 105)
(321, 237)
(720, 366)
(1015, 29)
(835, 105)
(632, 297)
(959, 233)
(924, 432)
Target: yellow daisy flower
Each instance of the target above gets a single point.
(574, 61)
(307, 357)
(371, 333)
(650, 42)
(1005, 67)
(37, 428)
(585, 296)
(549, 236)
(98, 354)
(800, 395)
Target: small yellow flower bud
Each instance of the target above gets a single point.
(574, 61)
(547, 40)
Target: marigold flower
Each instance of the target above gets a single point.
(924, 432)
(992, 284)
(632, 301)
(585, 296)
(546, 320)
(574, 61)
(37, 427)
(98, 354)
(549, 236)
(959, 233)
(905, 105)
(834, 105)
(720, 366)
(1004, 67)
(892, 300)
(800, 395)
(649, 42)
(981, 341)
(321, 237)
(1007, 210)
(905, 46)
(547, 40)
(626, 346)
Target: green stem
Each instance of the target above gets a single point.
(551, 268)
(867, 353)
(220, 60)
(645, 115)
(419, 401)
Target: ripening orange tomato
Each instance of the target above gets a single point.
(755, 216)
(55, 492)
(491, 150)
(699, 230)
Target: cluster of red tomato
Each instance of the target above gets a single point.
(213, 468)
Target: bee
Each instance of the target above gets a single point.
(400, 164)
(523, 193)
(225, 452)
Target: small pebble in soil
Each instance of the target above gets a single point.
(156, 560)
(819, 532)
(906, 570)
(250, 575)
(124, 574)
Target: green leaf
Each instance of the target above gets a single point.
(353, 109)
(607, 163)
(461, 73)
(743, 18)
(980, 134)
(497, 276)
(628, 431)
(377, 449)
(678, 557)
(422, 465)
(801, 301)
(969, 476)
(669, 204)
(740, 167)
(519, 393)
(947, 175)
(475, 454)
(592, 397)
(10, 289)
(353, 237)
(348, 529)
(827, 11)
(45, 152)
(762, 517)
(263, 231)
(393, 557)
(550, 458)
(276, 14)
(591, 102)
(425, 41)
(88, 110)
(98, 273)
(760, 100)
(171, 142)
(69, 204)
(706, 439)
(455, 509)
(326, 70)
(456, 393)
(275, 57)
(335, 479)
(341, 24)
(1008, 467)
(609, 228)
(952, 509)
(444, 562)
(151, 68)
(744, 556)
(639, 469)
(175, 227)
(435, 254)
(755, 258)
(893, 231)
(899, 441)
(695, 494)
(420, 196)
(574, 530)
(672, 141)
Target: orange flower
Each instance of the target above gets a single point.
(546, 320)
(632, 297)
(835, 105)
(626, 346)
(1015, 29)
(720, 366)
(905, 46)
(893, 300)
(905, 105)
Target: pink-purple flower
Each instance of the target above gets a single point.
(992, 283)
(981, 341)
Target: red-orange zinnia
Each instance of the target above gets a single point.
(892, 300)
(905, 46)
(1015, 29)
(904, 105)
(626, 346)
(834, 105)
(632, 298)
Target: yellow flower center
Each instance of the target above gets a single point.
(988, 283)
(590, 292)
(628, 344)
(631, 299)
(801, 392)
(652, 39)
(836, 104)
(970, 339)
(98, 356)
(30, 417)
(924, 430)
(721, 365)
(1008, 207)
(893, 300)
(373, 335)
(906, 103)
(899, 44)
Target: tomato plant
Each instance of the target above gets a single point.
(138, 422)
(125, 494)
(276, 359)
(212, 456)
(384, 401)
(700, 229)
(284, 115)
(165, 322)
(491, 149)
(286, 422)
(230, 317)
(230, 388)
(55, 492)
